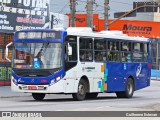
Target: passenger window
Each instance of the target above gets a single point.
(113, 46)
(126, 55)
(113, 56)
(125, 46)
(86, 49)
(113, 51)
(100, 50)
(137, 52)
(100, 44)
(145, 52)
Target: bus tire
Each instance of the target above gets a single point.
(82, 90)
(91, 95)
(38, 96)
(129, 90)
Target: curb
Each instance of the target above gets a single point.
(155, 79)
(13, 96)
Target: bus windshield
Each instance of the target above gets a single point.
(37, 55)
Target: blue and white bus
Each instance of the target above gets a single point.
(79, 62)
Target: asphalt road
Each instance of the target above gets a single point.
(145, 99)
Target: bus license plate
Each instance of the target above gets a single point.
(32, 88)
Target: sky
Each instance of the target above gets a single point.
(62, 6)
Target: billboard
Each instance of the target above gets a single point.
(23, 14)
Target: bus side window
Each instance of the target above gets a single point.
(70, 50)
(99, 49)
(73, 55)
(113, 51)
(86, 49)
(126, 52)
(145, 52)
(137, 52)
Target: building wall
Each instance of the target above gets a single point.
(147, 16)
(145, 13)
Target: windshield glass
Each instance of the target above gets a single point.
(37, 55)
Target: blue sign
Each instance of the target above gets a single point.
(125, 66)
(37, 64)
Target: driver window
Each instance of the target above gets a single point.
(71, 49)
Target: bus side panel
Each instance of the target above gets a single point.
(142, 76)
(139, 72)
(119, 72)
(115, 80)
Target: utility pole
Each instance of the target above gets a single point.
(90, 13)
(106, 15)
(158, 1)
(72, 12)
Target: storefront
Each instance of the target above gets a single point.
(5, 66)
(16, 15)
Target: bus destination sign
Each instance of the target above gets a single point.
(38, 35)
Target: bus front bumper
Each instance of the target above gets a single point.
(55, 88)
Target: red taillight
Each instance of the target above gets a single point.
(149, 65)
(43, 81)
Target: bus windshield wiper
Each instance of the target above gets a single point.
(43, 49)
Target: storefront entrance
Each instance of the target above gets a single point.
(5, 66)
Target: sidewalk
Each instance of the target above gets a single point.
(154, 78)
(5, 91)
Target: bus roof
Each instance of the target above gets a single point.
(40, 30)
(87, 32)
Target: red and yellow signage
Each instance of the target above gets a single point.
(131, 27)
(137, 28)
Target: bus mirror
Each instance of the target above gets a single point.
(7, 46)
(69, 50)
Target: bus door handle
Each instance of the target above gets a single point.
(83, 63)
(7, 51)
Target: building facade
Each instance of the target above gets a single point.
(150, 13)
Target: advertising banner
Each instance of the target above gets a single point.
(23, 14)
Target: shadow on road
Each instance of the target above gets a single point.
(71, 99)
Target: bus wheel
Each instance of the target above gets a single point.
(38, 96)
(82, 89)
(128, 93)
(91, 95)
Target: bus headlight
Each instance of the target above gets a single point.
(53, 81)
(58, 78)
(14, 80)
